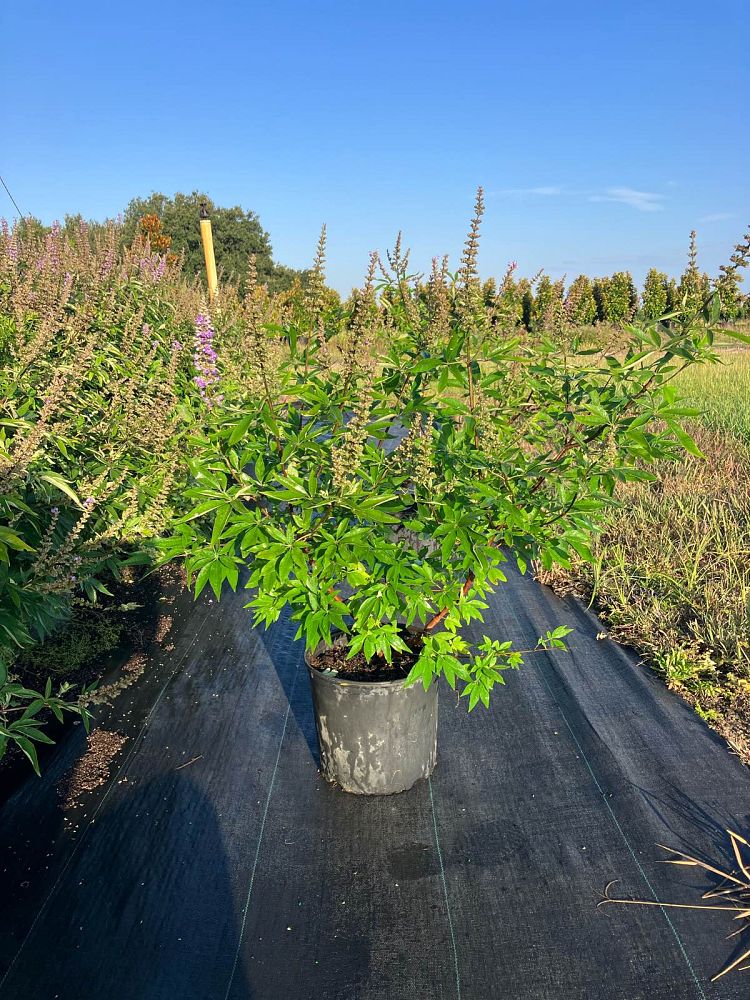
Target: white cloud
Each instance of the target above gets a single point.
(716, 217)
(644, 201)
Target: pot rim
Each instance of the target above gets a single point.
(334, 678)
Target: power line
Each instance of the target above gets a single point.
(15, 203)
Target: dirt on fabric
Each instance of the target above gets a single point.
(142, 604)
(377, 669)
(93, 769)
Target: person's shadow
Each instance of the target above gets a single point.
(146, 911)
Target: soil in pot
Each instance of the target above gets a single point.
(358, 668)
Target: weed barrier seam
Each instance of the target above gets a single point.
(98, 809)
(616, 822)
(445, 890)
(271, 785)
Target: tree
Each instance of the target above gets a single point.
(543, 302)
(75, 227)
(655, 294)
(616, 298)
(580, 304)
(237, 233)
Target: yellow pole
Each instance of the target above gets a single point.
(208, 252)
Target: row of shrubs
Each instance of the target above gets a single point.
(542, 304)
(532, 304)
(96, 379)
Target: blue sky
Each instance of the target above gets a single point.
(601, 132)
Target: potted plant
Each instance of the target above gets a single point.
(375, 480)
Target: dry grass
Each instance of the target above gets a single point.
(731, 893)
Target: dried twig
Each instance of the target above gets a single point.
(188, 762)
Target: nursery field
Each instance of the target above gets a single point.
(194, 494)
(215, 861)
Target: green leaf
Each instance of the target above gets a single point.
(54, 479)
(201, 509)
(11, 539)
(240, 430)
(686, 440)
(30, 750)
(736, 335)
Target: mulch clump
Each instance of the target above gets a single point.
(376, 669)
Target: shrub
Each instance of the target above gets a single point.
(694, 287)
(384, 489)
(97, 386)
(526, 296)
(543, 303)
(616, 298)
(728, 284)
(507, 307)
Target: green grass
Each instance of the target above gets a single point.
(722, 391)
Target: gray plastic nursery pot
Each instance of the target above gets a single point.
(375, 737)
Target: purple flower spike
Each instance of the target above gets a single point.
(205, 357)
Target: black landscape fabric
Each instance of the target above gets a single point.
(215, 864)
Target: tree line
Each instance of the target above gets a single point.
(172, 226)
(540, 303)
(536, 304)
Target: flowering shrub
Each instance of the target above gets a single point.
(375, 464)
(580, 304)
(382, 479)
(96, 393)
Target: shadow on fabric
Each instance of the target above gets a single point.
(113, 929)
